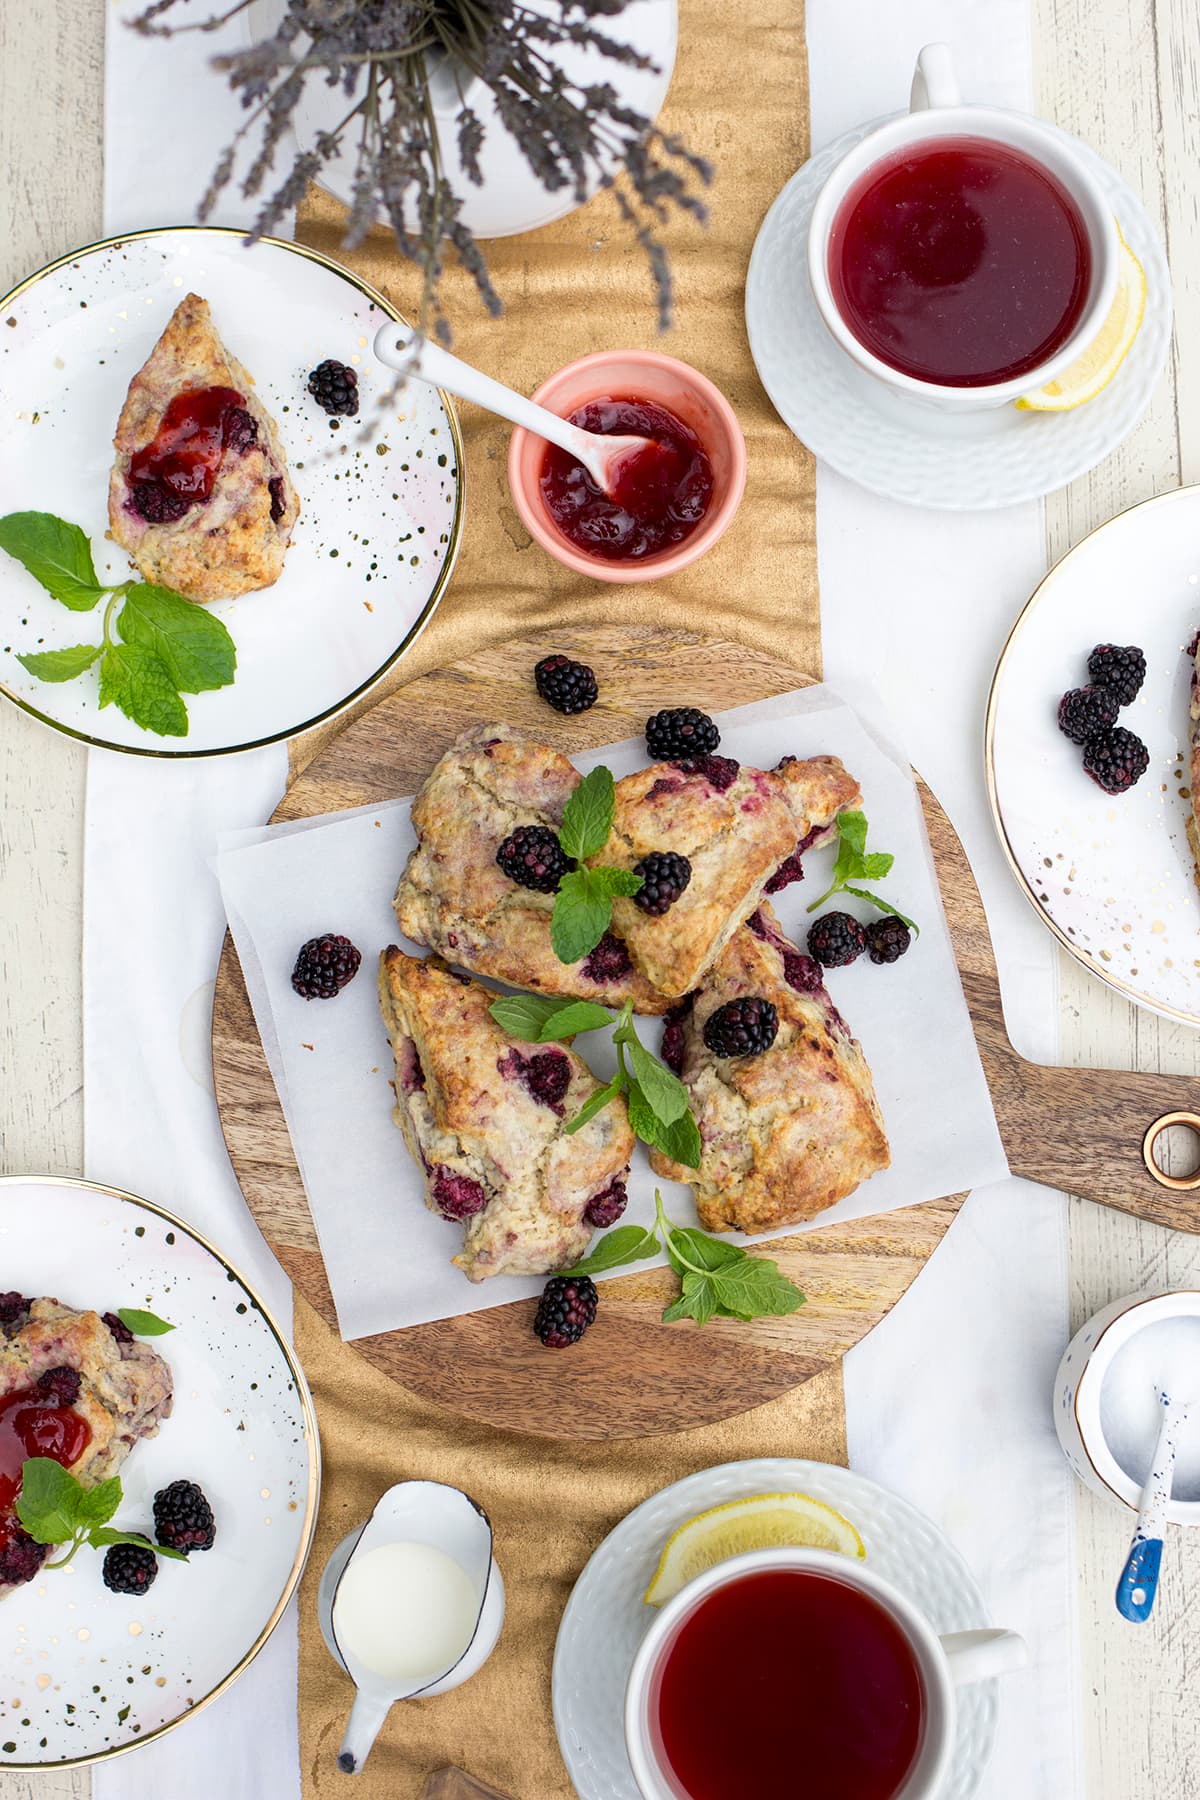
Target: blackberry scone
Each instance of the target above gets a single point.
(199, 494)
(786, 1130)
(485, 1118)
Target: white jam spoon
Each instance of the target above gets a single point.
(600, 455)
(1139, 1578)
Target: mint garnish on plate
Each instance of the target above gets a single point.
(142, 1324)
(854, 864)
(583, 904)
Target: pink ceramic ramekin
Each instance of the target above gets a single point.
(640, 375)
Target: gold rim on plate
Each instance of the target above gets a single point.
(309, 1525)
(456, 527)
(1084, 957)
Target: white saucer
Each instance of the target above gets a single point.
(900, 447)
(1113, 877)
(605, 1617)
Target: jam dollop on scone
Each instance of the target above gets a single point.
(485, 1117)
(788, 1130)
(199, 493)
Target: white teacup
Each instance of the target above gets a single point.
(942, 1663)
(937, 111)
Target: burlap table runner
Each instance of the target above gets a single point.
(740, 95)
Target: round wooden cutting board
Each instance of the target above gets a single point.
(632, 1375)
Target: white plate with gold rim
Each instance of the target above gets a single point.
(381, 495)
(1112, 876)
(89, 1674)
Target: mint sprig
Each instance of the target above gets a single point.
(157, 648)
(55, 1508)
(583, 904)
(853, 864)
(142, 1324)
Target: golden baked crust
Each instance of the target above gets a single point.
(229, 544)
(789, 1132)
(494, 1156)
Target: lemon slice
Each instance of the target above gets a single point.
(761, 1522)
(1083, 379)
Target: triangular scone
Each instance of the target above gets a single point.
(736, 825)
(793, 1130)
(485, 1117)
(454, 898)
(231, 540)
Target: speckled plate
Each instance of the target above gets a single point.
(606, 1617)
(1113, 878)
(89, 1674)
(381, 496)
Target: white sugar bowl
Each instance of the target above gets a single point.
(1106, 1407)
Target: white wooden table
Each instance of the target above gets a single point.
(1125, 75)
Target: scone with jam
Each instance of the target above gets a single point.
(199, 494)
(74, 1386)
(791, 1130)
(485, 1117)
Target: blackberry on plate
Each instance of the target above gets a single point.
(887, 940)
(129, 1568)
(565, 1310)
(533, 857)
(334, 387)
(664, 877)
(324, 966)
(569, 687)
(605, 1209)
(1121, 667)
(183, 1519)
(742, 1027)
(680, 731)
(1086, 710)
(1115, 759)
(836, 939)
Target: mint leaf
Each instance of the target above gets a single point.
(60, 665)
(874, 868)
(142, 688)
(615, 881)
(105, 1535)
(680, 1140)
(142, 1324)
(697, 1300)
(755, 1289)
(582, 914)
(619, 1245)
(96, 1506)
(852, 831)
(597, 1103)
(48, 1501)
(191, 643)
(56, 554)
(524, 1015)
(588, 815)
(573, 1017)
(882, 906)
(692, 1250)
(665, 1092)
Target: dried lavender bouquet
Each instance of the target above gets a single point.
(570, 134)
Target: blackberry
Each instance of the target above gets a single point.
(533, 857)
(605, 1209)
(61, 1384)
(887, 940)
(545, 1076)
(118, 1328)
(742, 1027)
(239, 431)
(801, 972)
(1115, 759)
(719, 771)
(324, 966)
(129, 1568)
(334, 387)
(1086, 710)
(155, 502)
(569, 687)
(680, 731)
(565, 1310)
(664, 877)
(183, 1519)
(278, 500)
(1121, 667)
(21, 1558)
(456, 1196)
(608, 961)
(790, 868)
(14, 1308)
(674, 1037)
(836, 939)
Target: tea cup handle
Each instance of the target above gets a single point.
(976, 1655)
(934, 81)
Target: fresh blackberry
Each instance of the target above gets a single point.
(129, 1568)
(680, 731)
(742, 1027)
(605, 1209)
(1121, 667)
(664, 877)
(21, 1558)
(836, 939)
(1115, 759)
(565, 1310)
(533, 857)
(61, 1384)
(334, 387)
(183, 1519)
(569, 687)
(1087, 710)
(719, 771)
(118, 1328)
(324, 966)
(887, 940)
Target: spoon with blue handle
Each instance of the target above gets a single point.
(1139, 1578)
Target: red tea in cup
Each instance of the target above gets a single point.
(960, 261)
(788, 1682)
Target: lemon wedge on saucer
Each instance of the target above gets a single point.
(1083, 379)
(760, 1522)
